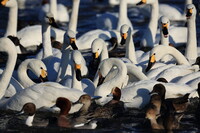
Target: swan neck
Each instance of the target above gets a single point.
(74, 16)
(123, 18)
(7, 73)
(130, 48)
(12, 21)
(164, 40)
(191, 47)
(104, 54)
(53, 8)
(23, 78)
(46, 41)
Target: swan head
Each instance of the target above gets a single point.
(49, 19)
(77, 60)
(8, 3)
(164, 24)
(124, 33)
(69, 40)
(142, 2)
(190, 11)
(39, 69)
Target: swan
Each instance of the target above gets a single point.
(110, 21)
(118, 80)
(36, 66)
(191, 46)
(59, 11)
(149, 38)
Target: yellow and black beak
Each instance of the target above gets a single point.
(95, 55)
(52, 22)
(101, 79)
(152, 61)
(43, 75)
(3, 2)
(142, 2)
(124, 37)
(165, 29)
(189, 13)
(78, 72)
(73, 43)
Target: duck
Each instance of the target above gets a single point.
(59, 11)
(63, 121)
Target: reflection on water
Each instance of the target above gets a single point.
(133, 121)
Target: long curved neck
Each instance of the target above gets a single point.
(180, 58)
(7, 73)
(74, 16)
(12, 20)
(123, 18)
(23, 78)
(46, 41)
(53, 8)
(130, 48)
(75, 83)
(191, 47)
(134, 71)
(104, 53)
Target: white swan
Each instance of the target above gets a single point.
(118, 80)
(59, 11)
(36, 66)
(6, 45)
(110, 21)
(30, 37)
(191, 46)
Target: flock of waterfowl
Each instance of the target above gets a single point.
(158, 77)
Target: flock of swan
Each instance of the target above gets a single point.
(67, 68)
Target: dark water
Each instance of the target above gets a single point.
(134, 120)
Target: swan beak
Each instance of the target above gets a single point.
(96, 55)
(3, 2)
(142, 2)
(52, 22)
(152, 61)
(43, 75)
(78, 72)
(73, 43)
(165, 30)
(189, 13)
(101, 79)
(124, 37)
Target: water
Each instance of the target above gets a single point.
(131, 122)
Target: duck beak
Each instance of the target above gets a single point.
(78, 72)
(3, 2)
(189, 13)
(124, 37)
(101, 79)
(20, 113)
(110, 95)
(73, 43)
(165, 30)
(43, 75)
(141, 2)
(152, 61)
(77, 102)
(52, 22)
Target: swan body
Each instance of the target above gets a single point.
(59, 11)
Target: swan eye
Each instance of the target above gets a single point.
(98, 49)
(41, 68)
(154, 54)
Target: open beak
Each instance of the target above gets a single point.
(3, 2)
(152, 61)
(189, 13)
(52, 22)
(141, 2)
(124, 37)
(101, 79)
(78, 72)
(73, 43)
(165, 30)
(43, 75)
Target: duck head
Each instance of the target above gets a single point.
(115, 93)
(64, 104)
(84, 99)
(160, 90)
